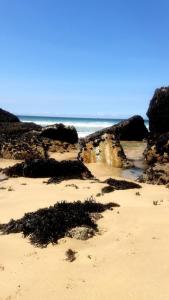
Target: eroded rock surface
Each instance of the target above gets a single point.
(27, 146)
(158, 150)
(158, 173)
(106, 149)
(158, 112)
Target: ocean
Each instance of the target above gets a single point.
(84, 126)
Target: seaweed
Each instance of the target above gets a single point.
(48, 225)
(121, 184)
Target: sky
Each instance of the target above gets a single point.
(100, 58)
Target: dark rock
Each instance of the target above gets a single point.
(158, 112)
(158, 150)
(156, 174)
(6, 116)
(48, 225)
(40, 168)
(25, 146)
(61, 132)
(132, 129)
(122, 184)
(18, 128)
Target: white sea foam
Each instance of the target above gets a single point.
(83, 126)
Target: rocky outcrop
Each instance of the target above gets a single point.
(6, 116)
(106, 149)
(41, 168)
(158, 173)
(28, 140)
(58, 146)
(158, 112)
(157, 158)
(60, 132)
(157, 153)
(132, 129)
(18, 128)
(158, 150)
(28, 146)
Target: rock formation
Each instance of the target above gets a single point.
(28, 146)
(132, 129)
(158, 112)
(61, 133)
(21, 140)
(18, 128)
(158, 173)
(104, 148)
(157, 152)
(6, 116)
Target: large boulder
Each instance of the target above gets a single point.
(106, 149)
(60, 132)
(25, 146)
(6, 116)
(158, 112)
(132, 129)
(40, 168)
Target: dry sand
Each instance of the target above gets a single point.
(129, 260)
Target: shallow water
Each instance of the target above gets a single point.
(134, 152)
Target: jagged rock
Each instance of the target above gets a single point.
(156, 174)
(6, 116)
(106, 149)
(18, 128)
(48, 225)
(122, 184)
(58, 146)
(27, 146)
(40, 168)
(60, 132)
(132, 129)
(158, 150)
(157, 158)
(158, 112)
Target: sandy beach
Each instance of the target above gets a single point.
(127, 260)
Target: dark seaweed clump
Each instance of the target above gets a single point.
(48, 225)
(122, 184)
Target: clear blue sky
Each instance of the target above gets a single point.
(82, 57)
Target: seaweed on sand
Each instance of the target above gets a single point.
(48, 225)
